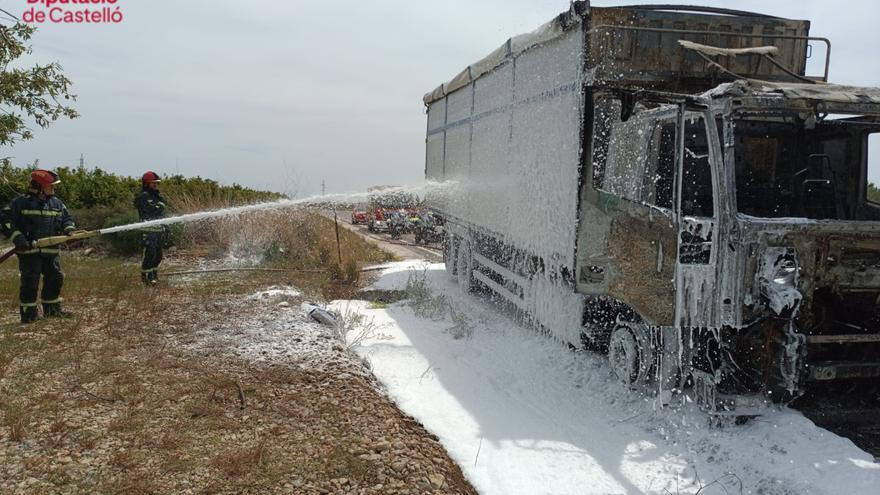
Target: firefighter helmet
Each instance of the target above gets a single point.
(43, 178)
(150, 177)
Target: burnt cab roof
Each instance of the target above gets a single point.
(818, 98)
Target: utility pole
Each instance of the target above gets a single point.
(335, 223)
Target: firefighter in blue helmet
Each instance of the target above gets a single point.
(151, 206)
(31, 217)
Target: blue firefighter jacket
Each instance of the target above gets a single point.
(150, 206)
(31, 218)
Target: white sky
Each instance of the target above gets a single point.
(281, 95)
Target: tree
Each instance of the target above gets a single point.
(37, 93)
(873, 193)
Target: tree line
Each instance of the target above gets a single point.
(98, 199)
(84, 188)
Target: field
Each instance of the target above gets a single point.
(145, 391)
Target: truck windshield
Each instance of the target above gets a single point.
(786, 167)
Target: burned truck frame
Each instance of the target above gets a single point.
(671, 187)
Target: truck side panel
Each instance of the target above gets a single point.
(435, 142)
(490, 149)
(545, 150)
(511, 165)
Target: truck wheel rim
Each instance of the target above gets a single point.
(623, 356)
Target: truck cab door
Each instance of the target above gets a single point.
(698, 222)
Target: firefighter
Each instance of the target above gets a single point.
(33, 216)
(151, 206)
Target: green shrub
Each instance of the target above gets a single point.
(99, 199)
(86, 189)
(123, 243)
(352, 271)
(95, 218)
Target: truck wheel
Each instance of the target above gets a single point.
(449, 256)
(628, 356)
(464, 263)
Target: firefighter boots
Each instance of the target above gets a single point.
(29, 314)
(53, 310)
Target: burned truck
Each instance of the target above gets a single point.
(669, 185)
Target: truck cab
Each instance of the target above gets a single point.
(751, 201)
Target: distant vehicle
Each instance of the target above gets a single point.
(397, 222)
(376, 220)
(413, 216)
(359, 215)
(425, 229)
(384, 199)
(716, 241)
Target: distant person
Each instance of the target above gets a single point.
(151, 206)
(31, 217)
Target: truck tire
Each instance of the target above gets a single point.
(464, 262)
(449, 256)
(630, 356)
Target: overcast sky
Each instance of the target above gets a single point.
(281, 95)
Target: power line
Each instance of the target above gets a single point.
(10, 15)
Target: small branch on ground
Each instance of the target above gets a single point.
(479, 447)
(98, 397)
(424, 373)
(240, 395)
(718, 482)
(629, 418)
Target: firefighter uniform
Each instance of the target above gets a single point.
(30, 218)
(151, 206)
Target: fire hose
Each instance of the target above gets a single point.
(55, 241)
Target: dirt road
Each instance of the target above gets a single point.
(405, 247)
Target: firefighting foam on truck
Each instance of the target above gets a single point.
(668, 185)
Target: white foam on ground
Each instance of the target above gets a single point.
(394, 275)
(276, 293)
(521, 414)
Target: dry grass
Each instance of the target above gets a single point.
(293, 238)
(242, 461)
(16, 419)
(12, 347)
(106, 402)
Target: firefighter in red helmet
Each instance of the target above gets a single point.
(151, 206)
(33, 216)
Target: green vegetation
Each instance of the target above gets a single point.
(873, 193)
(33, 93)
(82, 188)
(98, 199)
